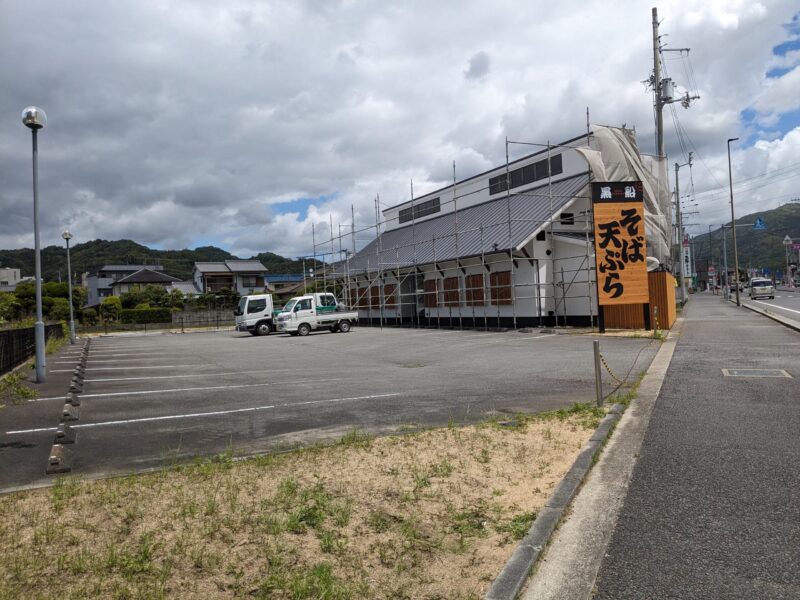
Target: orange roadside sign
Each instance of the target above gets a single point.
(620, 244)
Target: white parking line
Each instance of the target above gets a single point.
(131, 368)
(193, 389)
(193, 375)
(122, 360)
(142, 353)
(204, 414)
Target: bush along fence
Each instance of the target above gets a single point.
(144, 319)
(18, 345)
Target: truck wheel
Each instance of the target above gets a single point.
(263, 328)
(303, 329)
(344, 326)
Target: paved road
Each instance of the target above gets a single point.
(713, 509)
(151, 399)
(786, 303)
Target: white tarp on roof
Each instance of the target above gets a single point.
(617, 158)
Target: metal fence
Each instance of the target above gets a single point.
(18, 345)
(181, 321)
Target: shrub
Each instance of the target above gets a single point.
(89, 316)
(110, 308)
(59, 310)
(146, 315)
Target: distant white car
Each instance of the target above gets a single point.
(761, 287)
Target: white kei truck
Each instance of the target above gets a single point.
(311, 312)
(255, 314)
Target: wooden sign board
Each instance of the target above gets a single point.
(619, 243)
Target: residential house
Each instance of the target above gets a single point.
(285, 286)
(141, 278)
(242, 276)
(98, 281)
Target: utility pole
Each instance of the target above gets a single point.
(657, 86)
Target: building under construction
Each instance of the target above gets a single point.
(511, 247)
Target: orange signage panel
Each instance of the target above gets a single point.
(619, 243)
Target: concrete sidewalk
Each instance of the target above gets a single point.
(713, 508)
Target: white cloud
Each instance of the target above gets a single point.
(181, 123)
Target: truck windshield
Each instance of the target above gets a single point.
(240, 309)
(290, 305)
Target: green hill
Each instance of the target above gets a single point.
(95, 253)
(757, 249)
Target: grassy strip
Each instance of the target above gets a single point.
(426, 514)
(14, 389)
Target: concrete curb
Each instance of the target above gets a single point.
(514, 575)
(786, 322)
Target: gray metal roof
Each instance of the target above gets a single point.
(482, 228)
(187, 287)
(146, 276)
(246, 266)
(211, 267)
(131, 268)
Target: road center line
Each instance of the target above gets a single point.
(204, 414)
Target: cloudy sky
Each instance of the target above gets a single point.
(241, 123)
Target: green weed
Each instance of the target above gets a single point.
(14, 389)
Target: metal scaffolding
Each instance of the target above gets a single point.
(393, 291)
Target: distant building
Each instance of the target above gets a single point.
(98, 282)
(243, 276)
(283, 287)
(142, 277)
(10, 278)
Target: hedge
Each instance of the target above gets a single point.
(145, 315)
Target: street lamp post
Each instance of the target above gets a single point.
(727, 292)
(733, 227)
(35, 119)
(681, 273)
(67, 237)
(787, 243)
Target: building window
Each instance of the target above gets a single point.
(390, 295)
(525, 175)
(474, 285)
(423, 209)
(249, 281)
(451, 291)
(567, 218)
(431, 288)
(375, 296)
(500, 286)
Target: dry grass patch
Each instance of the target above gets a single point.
(431, 514)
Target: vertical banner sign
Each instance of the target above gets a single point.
(619, 243)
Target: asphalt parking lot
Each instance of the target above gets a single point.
(150, 400)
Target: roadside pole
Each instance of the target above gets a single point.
(598, 381)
